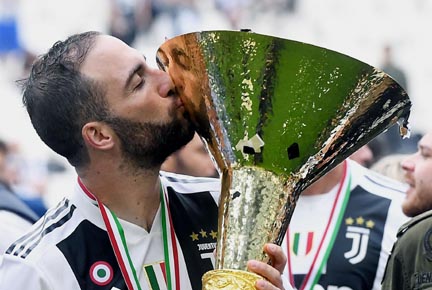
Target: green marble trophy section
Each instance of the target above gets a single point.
(291, 94)
(275, 114)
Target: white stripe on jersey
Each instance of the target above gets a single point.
(379, 184)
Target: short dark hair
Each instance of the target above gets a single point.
(60, 100)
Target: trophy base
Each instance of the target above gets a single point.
(228, 279)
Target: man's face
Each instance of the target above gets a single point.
(146, 145)
(418, 168)
(145, 113)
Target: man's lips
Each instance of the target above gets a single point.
(410, 188)
(179, 103)
(409, 181)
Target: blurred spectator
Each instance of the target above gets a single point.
(8, 28)
(15, 216)
(28, 178)
(11, 53)
(43, 22)
(192, 159)
(129, 17)
(183, 14)
(233, 10)
(391, 142)
(291, 5)
(388, 66)
(363, 156)
(276, 6)
(391, 166)
(410, 263)
(343, 228)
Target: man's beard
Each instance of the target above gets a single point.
(146, 145)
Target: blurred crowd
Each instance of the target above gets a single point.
(28, 28)
(28, 178)
(21, 22)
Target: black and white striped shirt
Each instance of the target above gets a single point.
(67, 246)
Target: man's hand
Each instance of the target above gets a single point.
(273, 272)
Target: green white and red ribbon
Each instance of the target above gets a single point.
(330, 232)
(120, 248)
(170, 246)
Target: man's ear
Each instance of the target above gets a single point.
(98, 135)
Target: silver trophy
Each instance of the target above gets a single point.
(275, 115)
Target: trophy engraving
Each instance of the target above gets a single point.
(275, 115)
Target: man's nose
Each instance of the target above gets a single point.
(166, 87)
(408, 164)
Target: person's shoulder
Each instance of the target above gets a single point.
(419, 224)
(414, 235)
(410, 263)
(45, 234)
(413, 247)
(377, 183)
(45, 268)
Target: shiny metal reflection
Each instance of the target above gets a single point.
(275, 115)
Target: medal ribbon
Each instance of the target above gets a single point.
(119, 245)
(329, 236)
(169, 243)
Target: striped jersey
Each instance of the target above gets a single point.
(68, 248)
(342, 239)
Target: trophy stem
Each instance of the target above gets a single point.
(252, 211)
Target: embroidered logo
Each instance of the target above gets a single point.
(427, 244)
(101, 273)
(302, 243)
(358, 231)
(156, 275)
(206, 242)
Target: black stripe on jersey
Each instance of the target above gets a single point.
(49, 229)
(194, 218)
(51, 215)
(383, 181)
(85, 246)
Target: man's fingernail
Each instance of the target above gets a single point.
(253, 264)
(271, 248)
(261, 283)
